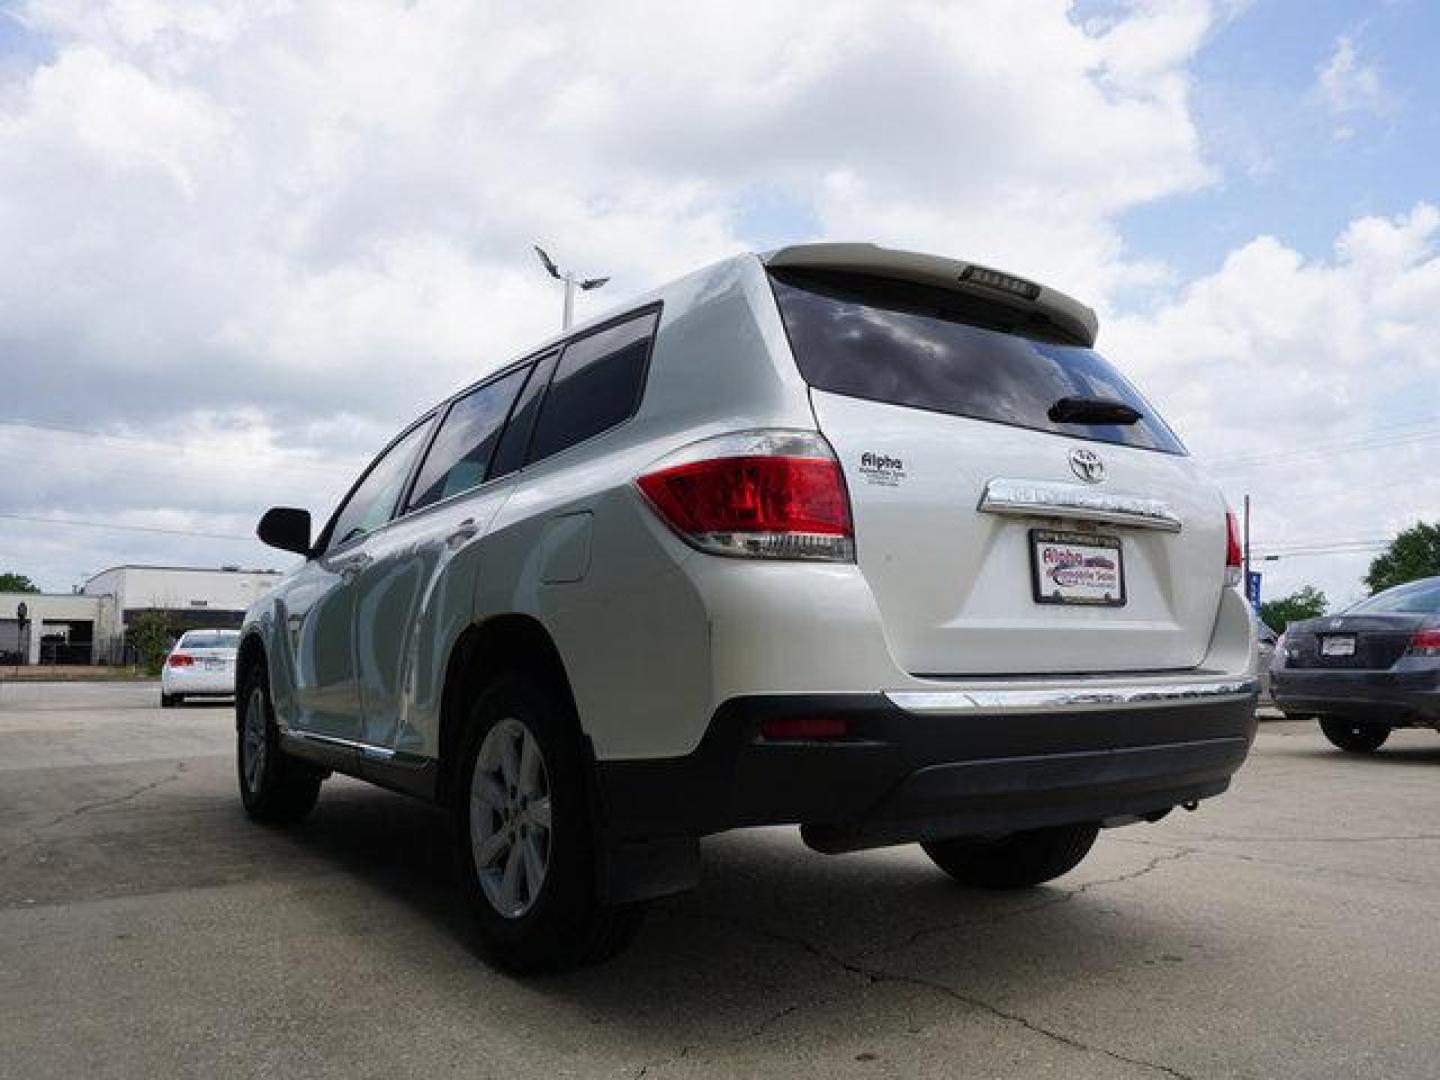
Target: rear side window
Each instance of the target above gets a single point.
(597, 385)
(909, 345)
(459, 458)
(510, 455)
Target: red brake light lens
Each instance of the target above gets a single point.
(1234, 555)
(776, 495)
(1425, 643)
(181, 659)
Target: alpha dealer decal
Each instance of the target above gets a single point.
(882, 469)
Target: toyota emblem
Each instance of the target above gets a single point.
(1086, 464)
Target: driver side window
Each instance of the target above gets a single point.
(373, 502)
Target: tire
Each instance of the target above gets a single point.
(1016, 861)
(1354, 737)
(167, 701)
(527, 851)
(275, 788)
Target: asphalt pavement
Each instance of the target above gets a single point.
(1290, 928)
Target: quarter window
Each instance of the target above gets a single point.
(460, 457)
(597, 385)
(372, 503)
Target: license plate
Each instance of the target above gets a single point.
(214, 665)
(1340, 645)
(1076, 568)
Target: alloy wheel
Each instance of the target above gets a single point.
(510, 818)
(252, 743)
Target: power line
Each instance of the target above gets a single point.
(1320, 551)
(1426, 421)
(1244, 464)
(145, 444)
(124, 528)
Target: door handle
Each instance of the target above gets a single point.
(350, 568)
(464, 531)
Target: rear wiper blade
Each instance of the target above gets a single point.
(1093, 410)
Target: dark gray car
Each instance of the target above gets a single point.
(1366, 671)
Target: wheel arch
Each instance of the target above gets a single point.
(252, 648)
(502, 643)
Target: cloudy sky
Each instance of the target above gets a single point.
(244, 240)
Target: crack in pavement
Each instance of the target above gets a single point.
(1219, 838)
(997, 918)
(35, 831)
(874, 975)
(1291, 864)
(659, 1062)
(755, 1031)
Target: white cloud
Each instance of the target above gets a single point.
(1313, 385)
(1351, 87)
(276, 230)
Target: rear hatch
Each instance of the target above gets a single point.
(1371, 636)
(996, 540)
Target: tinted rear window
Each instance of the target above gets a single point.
(596, 386)
(210, 639)
(1416, 598)
(909, 345)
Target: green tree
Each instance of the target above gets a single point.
(1305, 603)
(151, 633)
(12, 582)
(1415, 553)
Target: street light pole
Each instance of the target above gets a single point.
(571, 281)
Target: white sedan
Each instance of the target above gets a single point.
(202, 664)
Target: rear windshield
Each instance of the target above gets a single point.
(1416, 598)
(909, 345)
(210, 639)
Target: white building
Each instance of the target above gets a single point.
(60, 628)
(90, 626)
(228, 591)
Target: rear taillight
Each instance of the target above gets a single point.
(180, 659)
(1234, 557)
(756, 494)
(1424, 643)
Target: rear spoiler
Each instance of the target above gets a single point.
(1026, 303)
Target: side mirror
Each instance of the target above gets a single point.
(285, 528)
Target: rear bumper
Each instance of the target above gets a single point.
(930, 764)
(218, 683)
(1406, 693)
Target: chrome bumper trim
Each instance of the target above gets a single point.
(1050, 498)
(1071, 698)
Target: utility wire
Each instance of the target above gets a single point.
(143, 444)
(124, 528)
(1237, 465)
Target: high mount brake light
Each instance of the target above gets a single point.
(756, 494)
(1234, 556)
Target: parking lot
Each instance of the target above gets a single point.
(1291, 928)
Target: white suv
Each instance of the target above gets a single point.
(862, 540)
